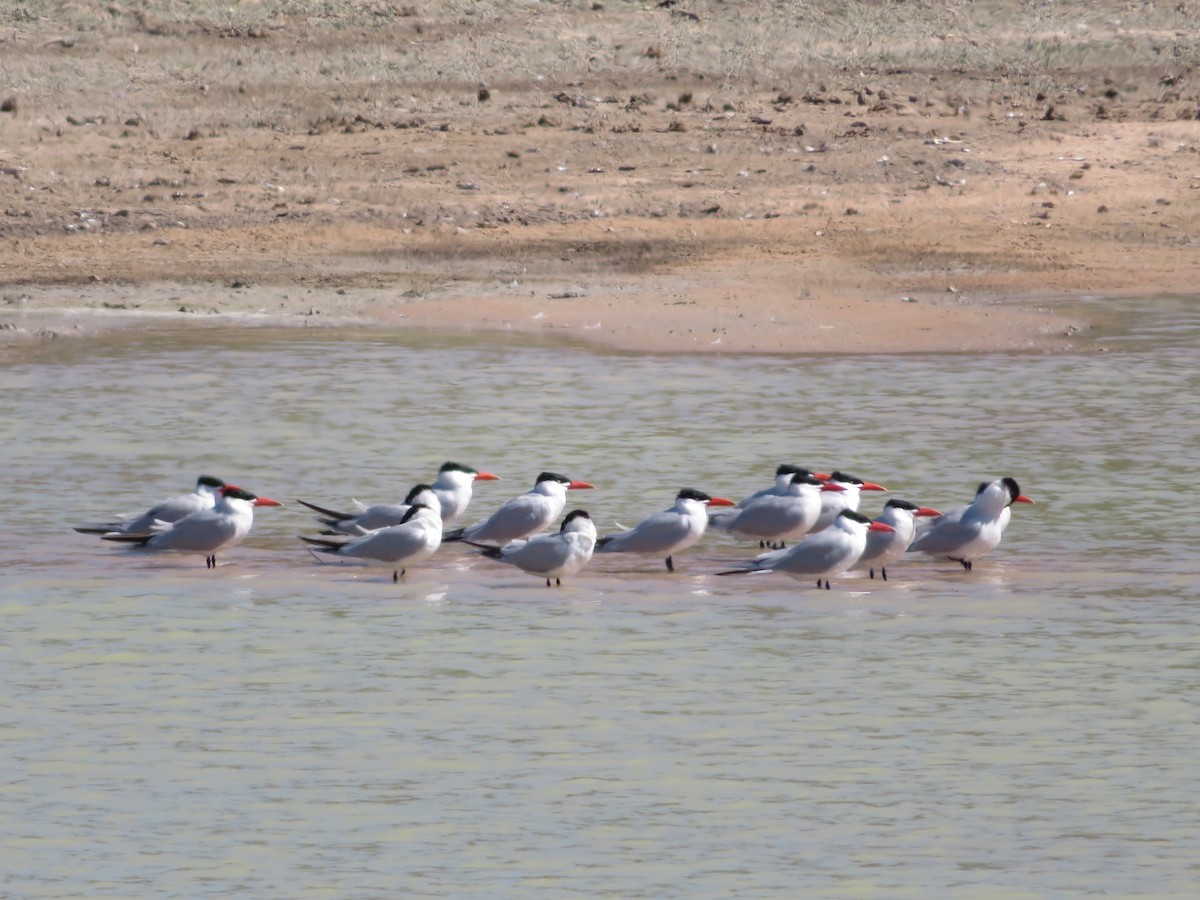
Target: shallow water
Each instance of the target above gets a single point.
(283, 728)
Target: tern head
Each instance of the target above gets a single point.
(788, 469)
(1007, 488)
(572, 516)
(208, 481)
(417, 491)
(1014, 491)
(570, 484)
(803, 476)
(451, 468)
(701, 497)
(847, 478)
(578, 520)
(229, 492)
(859, 519)
(895, 503)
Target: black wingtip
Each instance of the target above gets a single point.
(488, 550)
(97, 529)
(333, 513)
(449, 537)
(329, 546)
(127, 538)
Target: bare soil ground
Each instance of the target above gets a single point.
(783, 177)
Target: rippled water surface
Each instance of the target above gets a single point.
(282, 728)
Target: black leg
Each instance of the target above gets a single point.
(883, 569)
(558, 582)
(826, 584)
(966, 563)
(872, 572)
(547, 582)
(762, 545)
(670, 565)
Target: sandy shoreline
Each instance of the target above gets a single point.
(622, 199)
(607, 317)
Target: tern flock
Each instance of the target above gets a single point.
(807, 523)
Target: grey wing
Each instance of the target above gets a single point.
(721, 517)
(768, 516)
(386, 545)
(516, 518)
(817, 554)
(771, 557)
(380, 515)
(198, 533)
(746, 501)
(924, 526)
(541, 554)
(168, 511)
(948, 534)
(655, 534)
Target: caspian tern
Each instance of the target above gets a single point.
(779, 488)
(207, 531)
(964, 535)
(397, 546)
(783, 480)
(204, 496)
(832, 503)
(769, 516)
(522, 516)
(828, 552)
(667, 532)
(453, 486)
(550, 555)
(884, 547)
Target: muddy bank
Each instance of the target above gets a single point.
(625, 317)
(393, 166)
